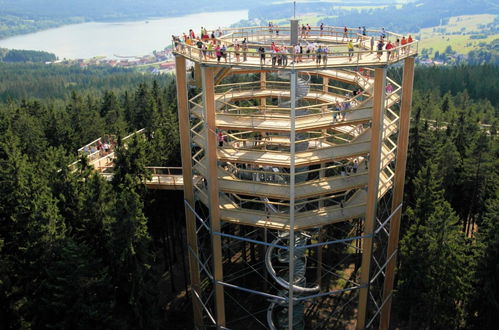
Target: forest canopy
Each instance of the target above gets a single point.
(80, 251)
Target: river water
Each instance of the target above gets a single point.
(119, 38)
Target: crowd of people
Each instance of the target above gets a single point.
(210, 47)
(100, 148)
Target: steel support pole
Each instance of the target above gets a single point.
(213, 193)
(372, 191)
(398, 190)
(263, 85)
(185, 147)
(292, 171)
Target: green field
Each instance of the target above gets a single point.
(439, 37)
(462, 24)
(459, 43)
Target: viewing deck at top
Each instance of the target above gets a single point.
(247, 55)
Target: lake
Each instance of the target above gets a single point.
(119, 38)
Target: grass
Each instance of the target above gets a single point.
(460, 43)
(462, 24)
(439, 37)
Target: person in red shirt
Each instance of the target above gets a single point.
(409, 41)
(403, 42)
(345, 33)
(388, 47)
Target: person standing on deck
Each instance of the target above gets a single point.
(397, 50)
(318, 53)
(296, 54)
(409, 42)
(274, 56)
(200, 44)
(218, 53)
(210, 49)
(325, 51)
(389, 88)
(337, 109)
(322, 28)
(223, 51)
(261, 51)
(380, 49)
(345, 33)
(237, 49)
(284, 55)
(372, 44)
(245, 49)
(389, 47)
(220, 139)
(355, 166)
(403, 42)
(350, 50)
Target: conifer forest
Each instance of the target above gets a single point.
(78, 251)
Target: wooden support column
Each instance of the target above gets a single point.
(325, 89)
(398, 190)
(322, 175)
(325, 84)
(213, 193)
(263, 85)
(372, 191)
(190, 219)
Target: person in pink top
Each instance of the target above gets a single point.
(273, 46)
(220, 138)
(218, 53)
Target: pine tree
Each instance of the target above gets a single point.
(483, 310)
(146, 111)
(130, 243)
(29, 225)
(434, 276)
(75, 291)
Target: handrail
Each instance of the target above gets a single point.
(197, 54)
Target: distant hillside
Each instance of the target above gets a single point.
(409, 17)
(115, 9)
(25, 16)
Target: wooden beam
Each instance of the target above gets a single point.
(372, 191)
(398, 191)
(185, 147)
(213, 192)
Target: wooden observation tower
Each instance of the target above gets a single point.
(299, 164)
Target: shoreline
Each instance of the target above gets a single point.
(127, 19)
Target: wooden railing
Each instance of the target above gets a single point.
(161, 177)
(337, 54)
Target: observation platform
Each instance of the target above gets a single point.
(331, 37)
(162, 178)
